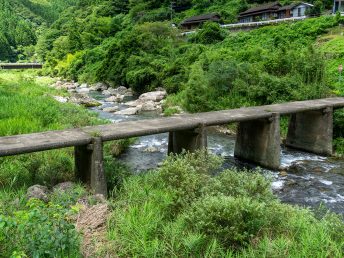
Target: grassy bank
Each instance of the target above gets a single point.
(27, 106)
(41, 229)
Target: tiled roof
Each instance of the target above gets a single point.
(260, 8)
(203, 17)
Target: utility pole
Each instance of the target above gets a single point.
(173, 5)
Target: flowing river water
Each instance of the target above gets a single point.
(309, 180)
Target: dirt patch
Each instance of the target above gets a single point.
(91, 223)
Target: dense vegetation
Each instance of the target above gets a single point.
(212, 69)
(35, 228)
(181, 209)
(21, 24)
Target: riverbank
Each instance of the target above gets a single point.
(158, 213)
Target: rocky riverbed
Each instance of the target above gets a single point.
(119, 101)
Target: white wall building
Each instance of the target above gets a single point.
(338, 6)
(300, 9)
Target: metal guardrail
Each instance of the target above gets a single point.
(12, 66)
(253, 24)
(262, 23)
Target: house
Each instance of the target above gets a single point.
(338, 6)
(285, 11)
(293, 10)
(274, 11)
(260, 13)
(196, 21)
(300, 9)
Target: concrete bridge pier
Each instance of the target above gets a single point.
(189, 140)
(89, 166)
(258, 141)
(312, 131)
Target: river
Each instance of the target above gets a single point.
(309, 180)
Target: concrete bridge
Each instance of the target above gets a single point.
(12, 66)
(258, 136)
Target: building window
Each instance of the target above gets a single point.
(299, 12)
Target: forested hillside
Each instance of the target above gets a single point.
(22, 22)
(133, 43)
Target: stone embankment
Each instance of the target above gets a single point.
(80, 94)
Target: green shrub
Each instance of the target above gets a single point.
(210, 33)
(234, 183)
(232, 221)
(41, 230)
(186, 175)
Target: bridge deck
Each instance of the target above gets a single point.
(19, 144)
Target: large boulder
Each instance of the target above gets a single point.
(121, 90)
(99, 86)
(111, 109)
(149, 106)
(110, 92)
(85, 100)
(129, 111)
(134, 103)
(63, 187)
(83, 90)
(115, 98)
(155, 96)
(38, 192)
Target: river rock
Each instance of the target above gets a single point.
(99, 86)
(61, 99)
(83, 99)
(84, 85)
(111, 109)
(115, 98)
(110, 92)
(149, 106)
(134, 103)
(151, 149)
(83, 90)
(63, 187)
(129, 111)
(128, 94)
(111, 99)
(38, 192)
(121, 90)
(153, 96)
(106, 92)
(283, 173)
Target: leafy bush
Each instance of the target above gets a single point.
(210, 33)
(41, 230)
(232, 221)
(185, 176)
(249, 184)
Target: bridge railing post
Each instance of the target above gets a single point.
(312, 131)
(189, 140)
(258, 141)
(89, 167)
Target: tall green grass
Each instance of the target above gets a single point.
(27, 106)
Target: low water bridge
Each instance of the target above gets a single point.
(258, 136)
(13, 66)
